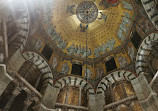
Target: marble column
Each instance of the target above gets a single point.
(80, 95)
(49, 98)
(11, 100)
(4, 78)
(27, 103)
(146, 96)
(67, 94)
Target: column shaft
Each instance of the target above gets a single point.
(11, 100)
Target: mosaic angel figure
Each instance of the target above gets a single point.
(103, 48)
(62, 44)
(70, 8)
(127, 6)
(126, 21)
(100, 72)
(111, 44)
(97, 51)
(120, 35)
(37, 44)
(71, 49)
(83, 28)
(131, 53)
(87, 74)
(78, 52)
(54, 62)
(50, 30)
(103, 16)
(122, 61)
(123, 27)
(65, 68)
(86, 53)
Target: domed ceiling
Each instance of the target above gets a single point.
(103, 25)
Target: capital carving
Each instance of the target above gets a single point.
(16, 92)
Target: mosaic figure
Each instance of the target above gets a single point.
(55, 37)
(54, 62)
(97, 51)
(131, 53)
(82, 50)
(111, 44)
(127, 15)
(50, 30)
(70, 9)
(86, 53)
(37, 44)
(122, 61)
(103, 48)
(83, 28)
(100, 72)
(120, 35)
(103, 16)
(71, 49)
(123, 27)
(78, 52)
(62, 44)
(87, 74)
(48, 13)
(65, 68)
(127, 6)
(126, 21)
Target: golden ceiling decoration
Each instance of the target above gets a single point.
(104, 34)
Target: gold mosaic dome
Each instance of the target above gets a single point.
(103, 25)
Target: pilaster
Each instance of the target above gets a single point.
(146, 96)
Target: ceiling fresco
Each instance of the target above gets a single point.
(102, 25)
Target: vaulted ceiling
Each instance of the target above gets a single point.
(108, 32)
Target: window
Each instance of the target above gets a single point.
(110, 65)
(136, 39)
(47, 52)
(76, 69)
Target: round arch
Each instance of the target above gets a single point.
(151, 10)
(113, 77)
(23, 22)
(143, 52)
(42, 65)
(74, 81)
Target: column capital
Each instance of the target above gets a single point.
(15, 92)
(27, 101)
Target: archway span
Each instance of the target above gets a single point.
(74, 81)
(22, 19)
(143, 53)
(151, 10)
(113, 77)
(43, 66)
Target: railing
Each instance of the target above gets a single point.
(23, 84)
(67, 106)
(154, 80)
(120, 102)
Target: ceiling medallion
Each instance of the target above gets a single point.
(87, 12)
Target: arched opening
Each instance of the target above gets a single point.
(121, 95)
(19, 99)
(73, 95)
(31, 73)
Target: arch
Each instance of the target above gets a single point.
(23, 22)
(151, 10)
(74, 81)
(113, 77)
(143, 52)
(43, 66)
